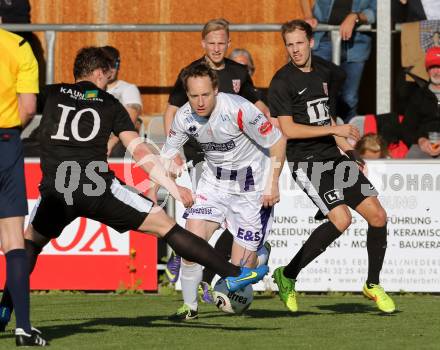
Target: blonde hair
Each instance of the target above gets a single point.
(215, 24)
(372, 142)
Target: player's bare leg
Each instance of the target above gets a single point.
(33, 235)
(242, 256)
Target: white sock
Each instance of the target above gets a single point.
(190, 277)
(262, 256)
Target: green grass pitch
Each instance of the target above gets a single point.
(111, 321)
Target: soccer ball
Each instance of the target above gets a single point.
(232, 302)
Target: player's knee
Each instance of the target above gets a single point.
(11, 233)
(342, 222)
(379, 218)
(11, 240)
(157, 222)
(31, 234)
(165, 225)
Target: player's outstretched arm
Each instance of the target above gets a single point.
(271, 194)
(153, 164)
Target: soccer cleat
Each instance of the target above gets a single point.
(247, 276)
(286, 289)
(206, 293)
(173, 267)
(375, 292)
(5, 316)
(24, 339)
(184, 313)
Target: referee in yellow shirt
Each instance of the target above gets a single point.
(18, 89)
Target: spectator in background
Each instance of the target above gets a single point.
(421, 126)
(356, 46)
(420, 25)
(18, 88)
(415, 10)
(126, 93)
(19, 11)
(244, 57)
(372, 146)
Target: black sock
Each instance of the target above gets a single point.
(318, 241)
(193, 248)
(17, 280)
(223, 246)
(376, 247)
(32, 251)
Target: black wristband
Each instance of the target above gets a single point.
(355, 157)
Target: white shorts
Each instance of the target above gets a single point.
(244, 216)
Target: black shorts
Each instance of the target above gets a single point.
(332, 183)
(120, 207)
(13, 201)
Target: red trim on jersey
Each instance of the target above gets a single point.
(240, 119)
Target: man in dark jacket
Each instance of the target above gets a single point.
(421, 126)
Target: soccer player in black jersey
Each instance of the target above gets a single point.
(75, 127)
(301, 96)
(233, 78)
